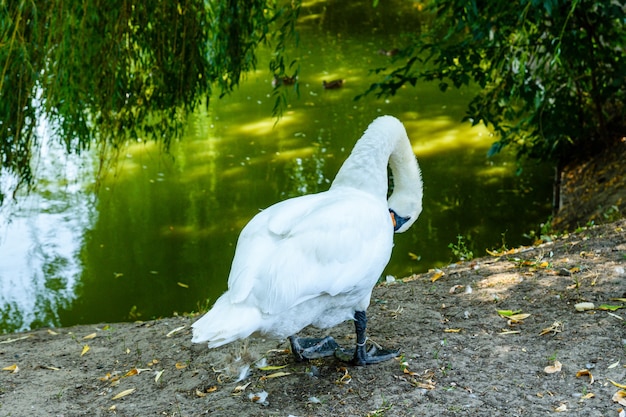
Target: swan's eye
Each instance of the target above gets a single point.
(397, 221)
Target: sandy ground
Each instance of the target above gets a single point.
(459, 355)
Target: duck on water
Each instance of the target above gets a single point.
(314, 259)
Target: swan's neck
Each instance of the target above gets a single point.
(407, 181)
(366, 167)
(385, 142)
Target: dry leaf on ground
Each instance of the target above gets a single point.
(176, 330)
(553, 368)
(85, 350)
(585, 372)
(124, 393)
(617, 384)
(556, 327)
(13, 368)
(274, 375)
(438, 274)
(620, 397)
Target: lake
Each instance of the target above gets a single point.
(157, 235)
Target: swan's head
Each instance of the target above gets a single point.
(404, 211)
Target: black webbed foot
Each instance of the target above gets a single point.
(360, 356)
(307, 348)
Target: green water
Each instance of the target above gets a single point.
(159, 236)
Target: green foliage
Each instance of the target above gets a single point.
(460, 249)
(551, 72)
(108, 71)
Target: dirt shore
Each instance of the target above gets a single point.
(459, 355)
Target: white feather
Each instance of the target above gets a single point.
(315, 259)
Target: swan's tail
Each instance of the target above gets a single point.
(225, 323)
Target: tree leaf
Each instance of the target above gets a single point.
(124, 393)
(12, 368)
(86, 349)
(553, 368)
(272, 368)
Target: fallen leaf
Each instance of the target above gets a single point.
(9, 340)
(285, 351)
(90, 336)
(518, 318)
(588, 396)
(620, 397)
(274, 375)
(13, 368)
(212, 389)
(609, 307)
(180, 365)
(410, 373)
(451, 330)
(158, 374)
(544, 264)
(454, 288)
(346, 378)
(241, 388)
(124, 393)
(272, 368)
(613, 365)
(556, 327)
(618, 385)
(426, 385)
(508, 313)
(106, 377)
(200, 393)
(132, 372)
(585, 372)
(438, 274)
(413, 277)
(53, 333)
(561, 408)
(85, 350)
(176, 330)
(553, 368)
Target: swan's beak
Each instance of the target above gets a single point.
(397, 221)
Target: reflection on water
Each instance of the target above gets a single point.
(161, 234)
(40, 240)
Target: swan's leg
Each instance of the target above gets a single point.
(304, 348)
(360, 356)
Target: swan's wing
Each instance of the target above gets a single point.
(327, 243)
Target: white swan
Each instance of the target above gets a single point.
(315, 259)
